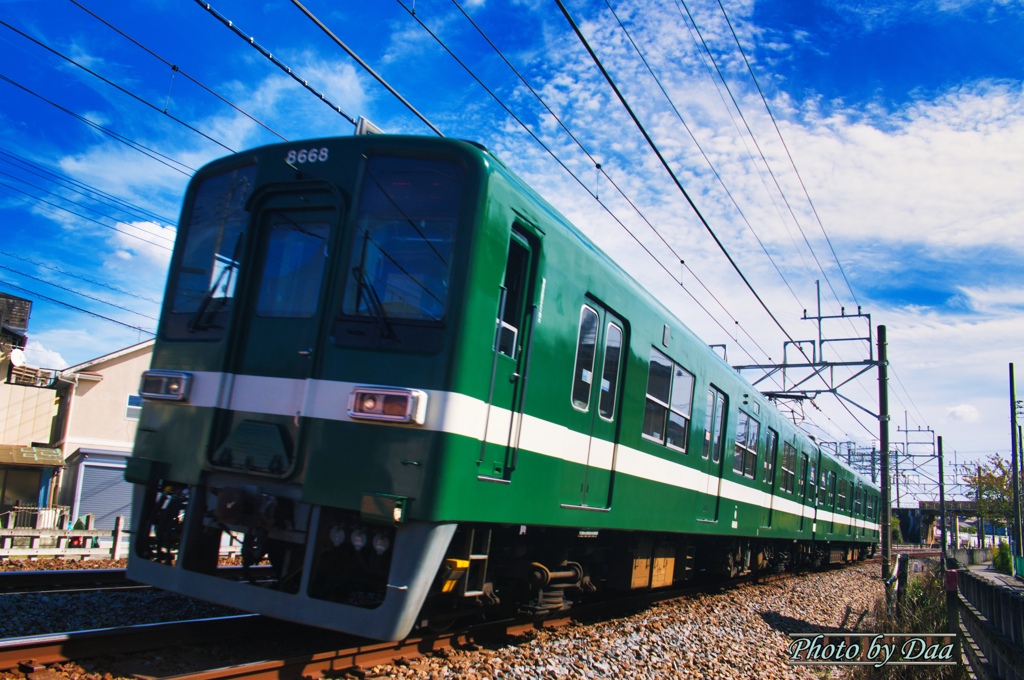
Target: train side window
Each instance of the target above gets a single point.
(669, 403)
(583, 375)
(823, 487)
(841, 496)
(714, 425)
(610, 373)
(748, 431)
(771, 450)
(788, 466)
(857, 501)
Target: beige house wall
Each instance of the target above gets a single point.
(98, 409)
(26, 413)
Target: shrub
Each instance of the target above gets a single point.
(1001, 561)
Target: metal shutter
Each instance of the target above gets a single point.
(105, 494)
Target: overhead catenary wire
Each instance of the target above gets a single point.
(789, 155)
(760, 151)
(601, 169)
(366, 66)
(274, 60)
(671, 173)
(593, 194)
(703, 153)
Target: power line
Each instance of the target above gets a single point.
(155, 155)
(77, 309)
(176, 69)
(79, 187)
(78, 276)
(58, 207)
(77, 292)
(116, 86)
(93, 210)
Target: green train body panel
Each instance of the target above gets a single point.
(516, 430)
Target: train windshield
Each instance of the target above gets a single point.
(204, 284)
(403, 240)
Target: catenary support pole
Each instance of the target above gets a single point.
(1013, 455)
(883, 445)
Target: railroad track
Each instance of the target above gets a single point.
(65, 581)
(286, 650)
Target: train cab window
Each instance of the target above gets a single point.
(586, 349)
(714, 425)
(203, 281)
(610, 373)
(669, 404)
(771, 450)
(788, 468)
(404, 235)
(294, 267)
(748, 431)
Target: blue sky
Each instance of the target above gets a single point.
(889, 168)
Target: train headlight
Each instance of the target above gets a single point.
(358, 539)
(381, 543)
(397, 405)
(337, 535)
(169, 385)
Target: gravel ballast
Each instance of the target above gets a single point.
(737, 633)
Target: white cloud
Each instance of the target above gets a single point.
(963, 413)
(39, 356)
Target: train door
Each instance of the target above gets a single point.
(771, 453)
(801, 489)
(597, 376)
(509, 370)
(279, 328)
(711, 454)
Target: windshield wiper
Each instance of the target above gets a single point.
(200, 320)
(373, 304)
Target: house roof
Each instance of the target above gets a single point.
(35, 456)
(79, 368)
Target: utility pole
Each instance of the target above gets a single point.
(1016, 481)
(942, 508)
(883, 442)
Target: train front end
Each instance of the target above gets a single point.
(299, 377)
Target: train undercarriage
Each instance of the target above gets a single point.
(379, 576)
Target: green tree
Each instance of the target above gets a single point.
(991, 486)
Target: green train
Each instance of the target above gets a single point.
(412, 392)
